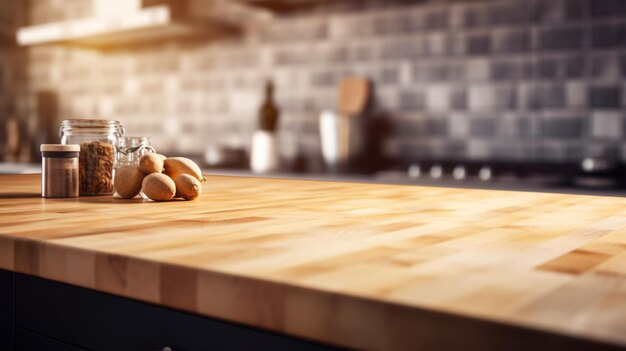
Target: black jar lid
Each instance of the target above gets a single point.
(59, 150)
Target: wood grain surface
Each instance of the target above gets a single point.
(358, 265)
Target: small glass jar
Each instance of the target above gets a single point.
(97, 140)
(130, 149)
(59, 170)
(129, 152)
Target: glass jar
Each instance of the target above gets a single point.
(131, 149)
(129, 152)
(98, 140)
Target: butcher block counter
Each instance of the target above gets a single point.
(342, 264)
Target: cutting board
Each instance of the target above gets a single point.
(354, 94)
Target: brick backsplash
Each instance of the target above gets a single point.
(527, 80)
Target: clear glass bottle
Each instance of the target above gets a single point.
(129, 152)
(98, 140)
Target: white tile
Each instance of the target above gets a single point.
(576, 94)
(606, 125)
(459, 125)
(438, 97)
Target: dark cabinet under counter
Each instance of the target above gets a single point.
(56, 316)
(7, 310)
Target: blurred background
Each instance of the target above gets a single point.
(528, 92)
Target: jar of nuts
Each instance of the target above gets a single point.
(98, 140)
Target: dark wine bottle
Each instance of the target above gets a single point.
(269, 112)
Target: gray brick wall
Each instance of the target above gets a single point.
(498, 79)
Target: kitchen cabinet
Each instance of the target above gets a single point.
(27, 341)
(7, 304)
(56, 316)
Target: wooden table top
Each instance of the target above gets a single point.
(358, 265)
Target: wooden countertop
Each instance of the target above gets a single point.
(358, 265)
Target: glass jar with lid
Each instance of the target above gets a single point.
(98, 140)
(129, 151)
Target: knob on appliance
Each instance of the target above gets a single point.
(436, 171)
(459, 172)
(414, 171)
(485, 173)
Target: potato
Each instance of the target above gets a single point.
(151, 163)
(175, 166)
(158, 187)
(187, 187)
(128, 181)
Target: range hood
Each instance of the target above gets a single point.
(145, 21)
(286, 6)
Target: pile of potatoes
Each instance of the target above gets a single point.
(160, 178)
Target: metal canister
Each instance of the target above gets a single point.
(59, 170)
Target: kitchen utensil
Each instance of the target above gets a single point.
(341, 138)
(341, 135)
(354, 93)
